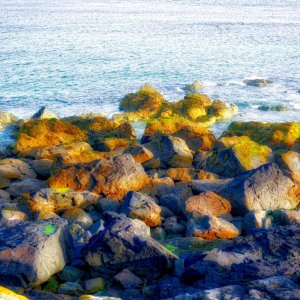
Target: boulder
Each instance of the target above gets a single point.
(7, 119)
(44, 113)
(207, 203)
(261, 189)
(273, 135)
(210, 227)
(46, 132)
(139, 206)
(125, 244)
(12, 215)
(221, 111)
(171, 151)
(257, 82)
(26, 186)
(11, 168)
(195, 86)
(33, 251)
(55, 200)
(94, 285)
(215, 185)
(113, 177)
(289, 162)
(173, 226)
(147, 100)
(278, 107)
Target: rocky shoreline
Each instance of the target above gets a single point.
(89, 211)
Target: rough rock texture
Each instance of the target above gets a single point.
(139, 153)
(26, 186)
(113, 177)
(170, 151)
(31, 252)
(207, 203)
(11, 168)
(139, 206)
(210, 227)
(46, 132)
(55, 200)
(263, 188)
(124, 244)
(261, 255)
(274, 135)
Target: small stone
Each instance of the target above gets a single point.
(127, 279)
(195, 86)
(70, 273)
(12, 215)
(70, 288)
(94, 285)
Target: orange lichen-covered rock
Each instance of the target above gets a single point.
(210, 227)
(208, 203)
(10, 295)
(112, 177)
(46, 132)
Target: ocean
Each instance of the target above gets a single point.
(84, 55)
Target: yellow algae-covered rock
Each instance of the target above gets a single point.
(193, 106)
(146, 99)
(274, 135)
(46, 132)
(6, 294)
(221, 111)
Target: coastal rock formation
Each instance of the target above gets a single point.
(235, 155)
(195, 86)
(46, 132)
(33, 251)
(11, 168)
(124, 244)
(170, 151)
(113, 177)
(274, 135)
(263, 188)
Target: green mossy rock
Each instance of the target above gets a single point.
(274, 135)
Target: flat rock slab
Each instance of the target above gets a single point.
(31, 252)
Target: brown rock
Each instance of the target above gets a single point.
(11, 168)
(182, 174)
(112, 177)
(207, 203)
(46, 132)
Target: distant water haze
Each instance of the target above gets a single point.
(83, 56)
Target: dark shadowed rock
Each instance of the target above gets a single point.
(31, 252)
(259, 82)
(125, 244)
(263, 188)
(44, 113)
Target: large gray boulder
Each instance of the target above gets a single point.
(31, 252)
(261, 189)
(125, 243)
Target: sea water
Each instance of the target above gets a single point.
(77, 56)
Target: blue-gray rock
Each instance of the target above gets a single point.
(125, 244)
(31, 252)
